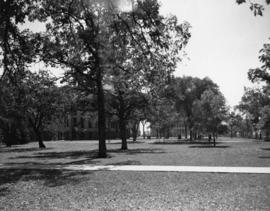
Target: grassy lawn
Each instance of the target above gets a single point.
(228, 152)
(37, 189)
(66, 190)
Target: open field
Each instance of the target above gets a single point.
(37, 189)
(228, 152)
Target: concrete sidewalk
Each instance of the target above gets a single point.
(208, 169)
(149, 168)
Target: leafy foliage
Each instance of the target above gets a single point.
(257, 8)
(213, 110)
(98, 45)
(188, 93)
(262, 73)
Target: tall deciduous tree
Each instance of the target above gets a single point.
(88, 37)
(18, 49)
(264, 122)
(187, 91)
(145, 52)
(251, 104)
(213, 110)
(43, 101)
(234, 121)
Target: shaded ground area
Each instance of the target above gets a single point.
(67, 190)
(37, 189)
(228, 152)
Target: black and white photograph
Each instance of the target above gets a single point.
(124, 105)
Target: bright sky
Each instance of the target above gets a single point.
(225, 43)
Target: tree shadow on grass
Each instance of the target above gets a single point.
(128, 162)
(264, 157)
(17, 150)
(129, 142)
(181, 142)
(58, 155)
(4, 191)
(73, 157)
(268, 149)
(209, 146)
(137, 151)
(57, 158)
(49, 177)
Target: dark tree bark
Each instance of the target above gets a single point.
(209, 138)
(122, 124)
(122, 121)
(36, 126)
(40, 139)
(186, 132)
(190, 135)
(214, 139)
(102, 153)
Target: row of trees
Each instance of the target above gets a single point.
(96, 44)
(132, 53)
(196, 103)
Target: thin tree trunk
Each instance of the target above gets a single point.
(40, 140)
(209, 138)
(102, 151)
(122, 121)
(143, 124)
(190, 135)
(135, 131)
(122, 124)
(186, 133)
(214, 139)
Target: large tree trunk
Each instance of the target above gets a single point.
(40, 140)
(102, 151)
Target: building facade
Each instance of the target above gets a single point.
(84, 126)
